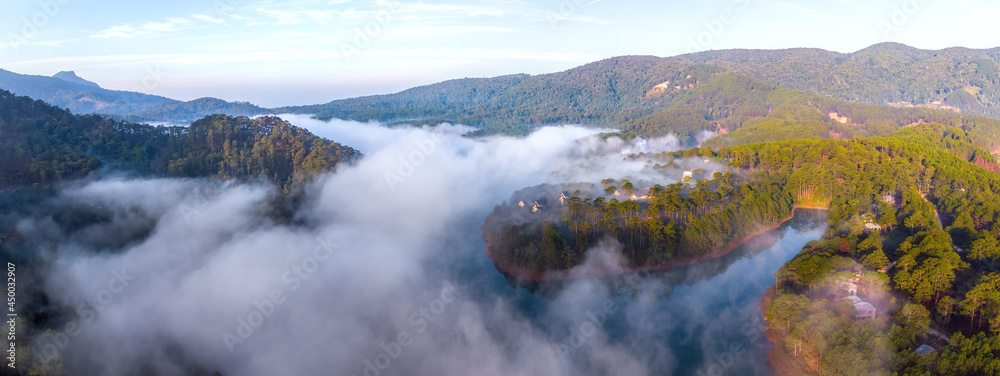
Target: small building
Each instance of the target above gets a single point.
(924, 350)
(536, 207)
(889, 199)
(521, 204)
(642, 194)
(688, 175)
(563, 198)
(865, 311)
(854, 299)
(849, 288)
(871, 225)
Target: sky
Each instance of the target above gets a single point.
(297, 52)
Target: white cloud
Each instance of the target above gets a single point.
(211, 258)
(454, 10)
(283, 17)
(207, 18)
(120, 31)
(129, 30)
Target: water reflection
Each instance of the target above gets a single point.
(701, 319)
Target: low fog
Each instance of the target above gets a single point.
(382, 272)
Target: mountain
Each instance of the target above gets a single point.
(71, 77)
(718, 92)
(69, 91)
(887, 73)
(604, 93)
(42, 144)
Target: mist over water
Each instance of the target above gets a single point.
(383, 272)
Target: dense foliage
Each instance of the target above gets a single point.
(914, 224)
(745, 96)
(41, 144)
(881, 74)
(922, 272)
(678, 222)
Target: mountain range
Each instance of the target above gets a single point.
(626, 90)
(739, 95)
(67, 90)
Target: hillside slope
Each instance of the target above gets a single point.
(718, 92)
(887, 73)
(69, 91)
(42, 144)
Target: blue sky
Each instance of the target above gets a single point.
(303, 52)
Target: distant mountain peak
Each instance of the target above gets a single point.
(71, 77)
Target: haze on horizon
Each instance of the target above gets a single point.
(306, 52)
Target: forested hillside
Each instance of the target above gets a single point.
(888, 73)
(785, 94)
(914, 221)
(69, 91)
(42, 144)
(915, 229)
(604, 93)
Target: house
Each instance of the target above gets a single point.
(924, 350)
(870, 224)
(865, 311)
(563, 198)
(854, 299)
(642, 194)
(536, 207)
(849, 287)
(688, 175)
(889, 198)
(521, 204)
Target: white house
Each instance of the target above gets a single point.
(854, 299)
(865, 311)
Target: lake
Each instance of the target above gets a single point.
(701, 319)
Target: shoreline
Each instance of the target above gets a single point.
(565, 275)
